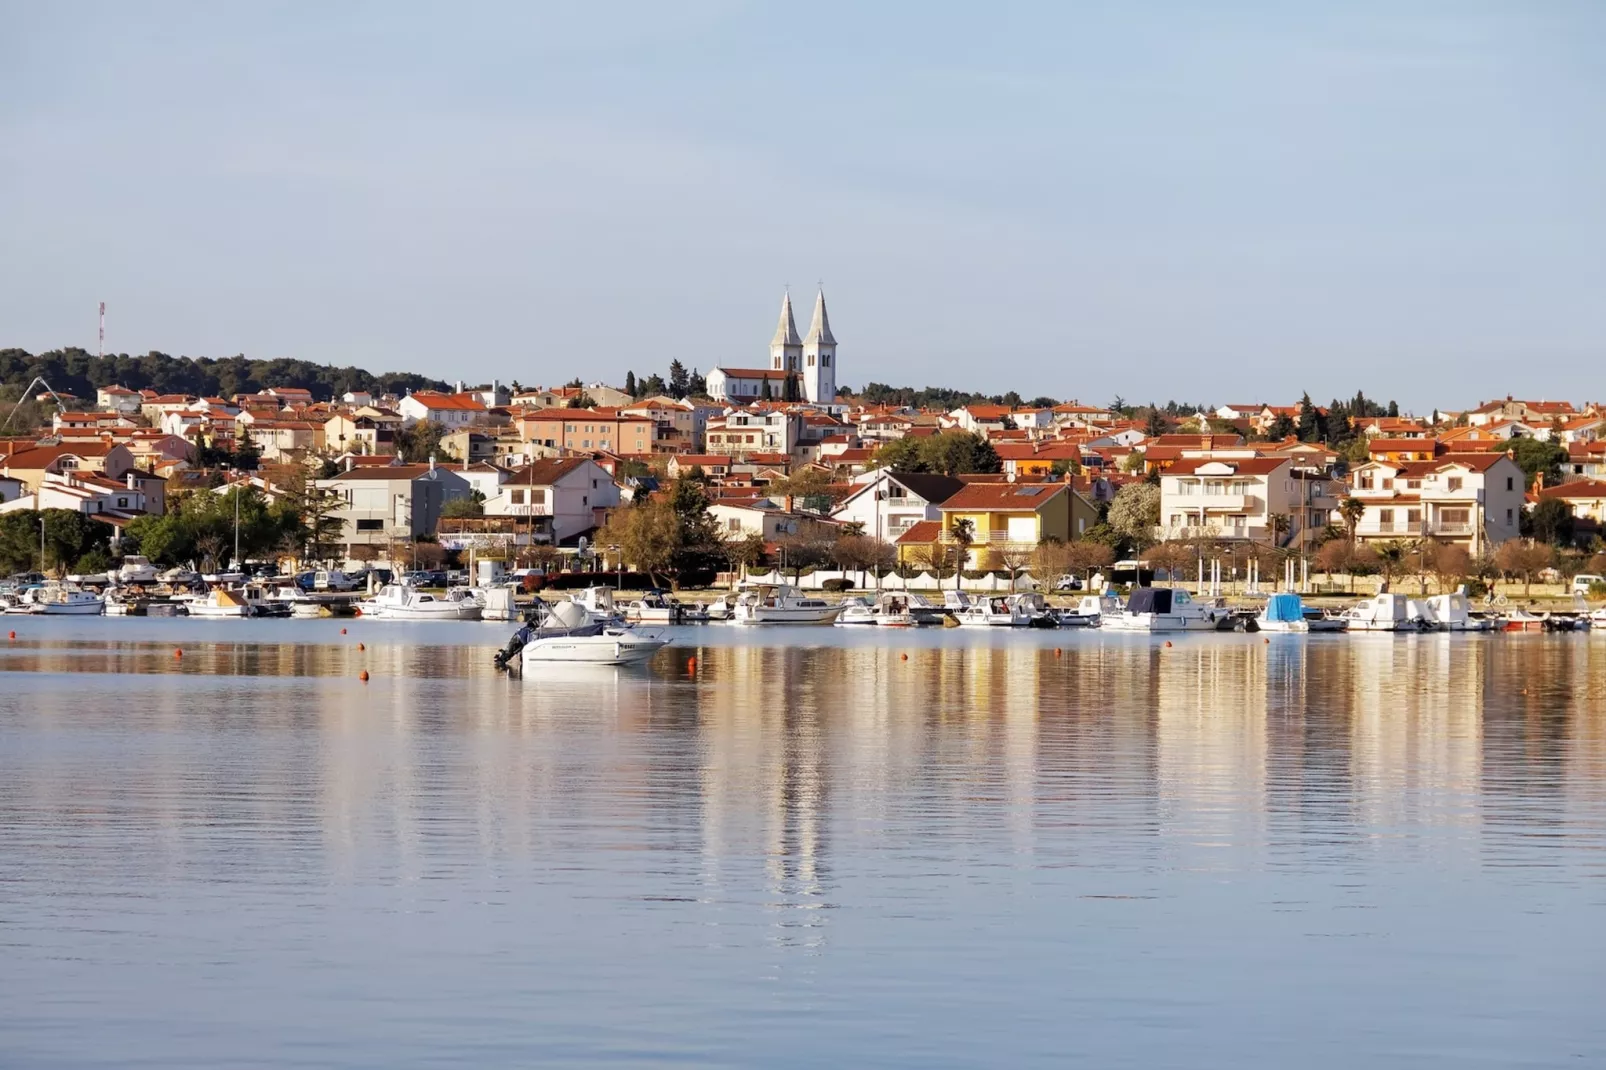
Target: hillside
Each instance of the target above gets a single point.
(77, 372)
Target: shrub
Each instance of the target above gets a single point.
(1477, 588)
(836, 585)
(1597, 589)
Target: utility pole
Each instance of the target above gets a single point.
(100, 349)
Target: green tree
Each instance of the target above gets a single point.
(1551, 521)
(1537, 458)
(955, 453)
(630, 384)
(963, 535)
(418, 443)
(1308, 426)
(679, 381)
(1352, 509)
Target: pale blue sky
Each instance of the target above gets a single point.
(1223, 201)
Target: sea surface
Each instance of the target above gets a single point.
(799, 847)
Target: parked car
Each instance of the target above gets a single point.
(1582, 581)
(1068, 583)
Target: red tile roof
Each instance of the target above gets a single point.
(920, 533)
(1009, 497)
(1243, 466)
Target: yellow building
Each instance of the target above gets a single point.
(1012, 517)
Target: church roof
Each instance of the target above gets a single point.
(786, 330)
(820, 329)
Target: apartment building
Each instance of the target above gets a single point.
(1473, 499)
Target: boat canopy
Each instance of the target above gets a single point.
(1149, 600)
(1284, 607)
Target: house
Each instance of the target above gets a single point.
(886, 503)
(1400, 450)
(1587, 459)
(468, 445)
(113, 501)
(1586, 497)
(587, 429)
(1531, 412)
(385, 503)
(94, 458)
(11, 489)
(1012, 518)
(561, 499)
(714, 466)
(1038, 459)
(1472, 499)
(451, 411)
(1241, 412)
(362, 430)
(117, 399)
(281, 440)
(678, 426)
(744, 431)
(767, 519)
(1263, 499)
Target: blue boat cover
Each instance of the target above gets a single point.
(1284, 607)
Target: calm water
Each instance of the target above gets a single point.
(1336, 851)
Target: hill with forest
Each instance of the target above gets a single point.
(75, 371)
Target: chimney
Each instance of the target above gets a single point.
(133, 484)
(459, 386)
(348, 462)
(432, 462)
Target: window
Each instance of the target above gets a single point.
(1453, 483)
(1509, 485)
(1413, 484)
(370, 525)
(1454, 516)
(825, 360)
(733, 525)
(1385, 516)
(1366, 481)
(1508, 516)
(1413, 516)
(516, 496)
(811, 360)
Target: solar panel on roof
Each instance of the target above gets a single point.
(1028, 492)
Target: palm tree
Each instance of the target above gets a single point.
(963, 535)
(1352, 510)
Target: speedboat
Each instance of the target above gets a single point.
(221, 602)
(1283, 613)
(722, 607)
(136, 570)
(779, 603)
(401, 601)
(291, 600)
(1035, 606)
(891, 609)
(996, 611)
(569, 635)
(1386, 612)
(1166, 609)
(654, 607)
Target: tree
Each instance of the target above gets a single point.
(463, 508)
(1015, 557)
(630, 384)
(1308, 425)
(950, 453)
(1451, 566)
(1085, 556)
(582, 400)
(1281, 524)
(856, 551)
(743, 550)
(1173, 557)
(653, 386)
(1352, 509)
(679, 381)
(1154, 423)
(247, 458)
(418, 443)
(764, 391)
(1135, 513)
(1282, 427)
(1537, 458)
(1050, 560)
(697, 385)
(1515, 557)
(1551, 521)
(1391, 559)
(1334, 556)
(962, 534)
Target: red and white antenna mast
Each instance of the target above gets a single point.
(100, 350)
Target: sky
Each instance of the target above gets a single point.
(1224, 202)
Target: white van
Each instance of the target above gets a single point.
(1581, 582)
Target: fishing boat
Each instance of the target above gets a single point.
(779, 603)
(1386, 612)
(654, 607)
(1451, 613)
(1283, 613)
(1165, 609)
(569, 635)
(401, 601)
(1089, 611)
(56, 600)
(221, 602)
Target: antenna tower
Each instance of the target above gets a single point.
(100, 350)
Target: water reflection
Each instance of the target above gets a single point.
(778, 805)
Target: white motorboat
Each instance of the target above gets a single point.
(1165, 609)
(293, 601)
(890, 609)
(569, 635)
(1324, 620)
(401, 601)
(1597, 622)
(56, 600)
(497, 603)
(995, 611)
(1283, 613)
(654, 607)
(599, 605)
(779, 603)
(1451, 613)
(136, 570)
(1386, 612)
(1090, 610)
(1036, 608)
(722, 607)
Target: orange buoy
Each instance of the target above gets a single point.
(691, 665)
(363, 676)
(342, 631)
(1058, 652)
(1267, 640)
(361, 647)
(903, 657)
(1168, 643)
(11, 635)
(177, 653)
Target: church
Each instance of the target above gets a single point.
(801, 369)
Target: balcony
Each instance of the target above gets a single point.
(1450, 529)
(1230, 503)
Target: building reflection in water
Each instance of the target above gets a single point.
(769, 763)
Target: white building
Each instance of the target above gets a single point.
(1475, 499)
(381, 503)
(887, 503)
(1236, 497)
(451, 411)
(808, 363)
(562, 498)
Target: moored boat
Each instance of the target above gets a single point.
(1166, 609)
(401, 601)
(779, 603)
(1385, 612)
(569, 635)
(1283, 612)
